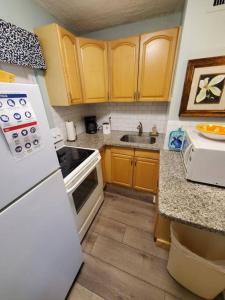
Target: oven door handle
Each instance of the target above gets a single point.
(83, 177)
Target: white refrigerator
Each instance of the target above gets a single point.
(40, 253)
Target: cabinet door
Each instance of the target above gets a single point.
(49, 38)
(123, 69)
(157, 55)
(94, 69)
(146, 174)
(71, 68)
(122, 169)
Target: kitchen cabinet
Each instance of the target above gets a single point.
(123, 69)
(62, 75)
(162, 235)
(146, 171)
(93, 66)
(145, 174)
(138, 68)
(122, 166)
(135, 168)
(156, 64)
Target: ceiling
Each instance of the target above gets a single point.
(84, 16)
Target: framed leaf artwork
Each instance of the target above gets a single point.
(204, 88)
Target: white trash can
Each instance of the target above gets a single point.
(197, 260)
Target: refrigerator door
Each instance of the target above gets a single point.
(18, 176)
(40, 252)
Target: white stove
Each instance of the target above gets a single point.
(81, 170)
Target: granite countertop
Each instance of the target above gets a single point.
(184, 201)
(192, 203)
(98, 140)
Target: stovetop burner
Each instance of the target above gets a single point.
(70, 158)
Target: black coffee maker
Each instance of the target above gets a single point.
(90, 124)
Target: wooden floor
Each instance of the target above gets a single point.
(121, 258)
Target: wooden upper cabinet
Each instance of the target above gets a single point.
(94, 69)
(62, 74)
(123, 69)
(70, 60)
(140, 68)
(157, 56)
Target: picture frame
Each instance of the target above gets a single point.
(204, 88)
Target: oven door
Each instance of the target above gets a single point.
(86, 196)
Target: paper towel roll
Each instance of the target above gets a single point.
(70, 130)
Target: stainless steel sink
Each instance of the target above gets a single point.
(144, 139)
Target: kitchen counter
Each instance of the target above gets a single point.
(192, 203)
(184, 201)
(98, 140)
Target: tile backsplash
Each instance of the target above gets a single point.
(71, 113)
(124, 116)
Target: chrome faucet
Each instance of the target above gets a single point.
(140, 129)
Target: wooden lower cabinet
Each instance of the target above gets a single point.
(122, 169)
(145, 174)
(162, 229)
(133, 168)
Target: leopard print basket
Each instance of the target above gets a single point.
(19, 46)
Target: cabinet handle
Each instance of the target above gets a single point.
(135, 96)
(131, 162)
(135, 162)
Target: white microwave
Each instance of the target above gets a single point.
(203, 158)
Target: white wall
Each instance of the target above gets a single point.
(202, 36)
(148, 25)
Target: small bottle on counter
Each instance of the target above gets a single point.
(106, 128)
(154, 131)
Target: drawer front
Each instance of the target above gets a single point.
(123, 151)
(146, 154)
